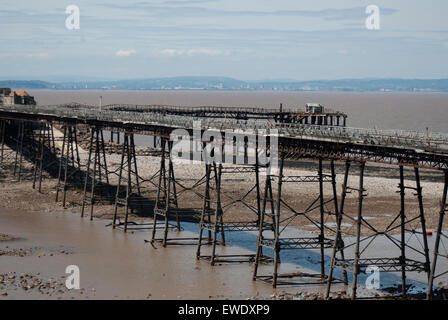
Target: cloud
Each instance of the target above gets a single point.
(331, 14)
(38, 55)
(191, 52)
(176, 2)
(125, 53)
(342, 52)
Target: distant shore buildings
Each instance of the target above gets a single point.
(8, 98)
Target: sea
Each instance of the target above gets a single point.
(382, 110)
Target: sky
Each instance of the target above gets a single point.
(242, 39)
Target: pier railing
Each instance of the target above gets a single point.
(419, 141)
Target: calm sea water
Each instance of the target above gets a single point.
(409, 111)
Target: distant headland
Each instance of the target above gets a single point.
(225, 83)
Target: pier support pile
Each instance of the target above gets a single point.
(219, 203)
(441, 243)
(281, 213)
(130, 192)
(70, 170)
(45, 157)
(96, 182)
(362, 245)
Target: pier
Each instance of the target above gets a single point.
(280, 135)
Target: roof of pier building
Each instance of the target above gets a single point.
(21, 93)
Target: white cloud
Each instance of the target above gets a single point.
(125, 53)
(169, 52)
(38, 55)
(191, 52)
(41, 55)
(342, 52)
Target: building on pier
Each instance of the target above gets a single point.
(8, 98)
(314, 108)
(317, 114)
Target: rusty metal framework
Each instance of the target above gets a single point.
(291, 115)
(96, 183)
(45, 153)
(20, 149)
(424, 150)
(169, 201)
(166, 201)
(218, 203)
(440, 249)
(282, 214)
(270, 211)
(130, 191)
(6, 155)
(69, 173)
(23, 145)
(366, 233)
(3, 124)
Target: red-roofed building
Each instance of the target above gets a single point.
(8, 98)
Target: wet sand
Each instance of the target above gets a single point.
(116, 265)
(113, 265)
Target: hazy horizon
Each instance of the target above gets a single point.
(93, 79)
